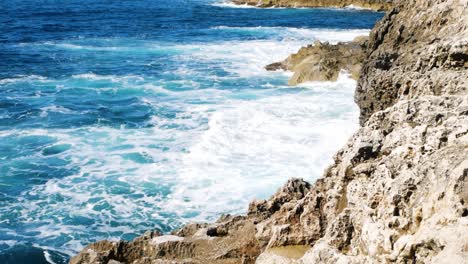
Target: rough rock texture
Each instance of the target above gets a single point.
(417, 49)
(232, 239)
(323, 61)
(396, 193)
(368, 4)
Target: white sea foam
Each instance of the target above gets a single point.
(244, 58)
(248, 58)
(72, 46)
(23, 78)
(75, 46)
(48, 258)
(355, 7)
(208, 158)
(245, 151)
(112, 78)
(54, 109)
(304, 34)
(106, 45)
(229, 4)
(251, 148)
(9, 243)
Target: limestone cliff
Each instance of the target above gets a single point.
(397, 192)
(418, 49)
(368, 4)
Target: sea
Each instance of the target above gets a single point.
(121, 116)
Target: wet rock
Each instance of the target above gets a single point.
(216, 231)
(323, 61)
(276, 66)
(293, 190)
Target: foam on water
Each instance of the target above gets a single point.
(48, 257)
(209, 159)
(229, 4)
(248, 58)
(23, 78)
(252, 147)
(354, 7)
(244, 151)
(303, 34)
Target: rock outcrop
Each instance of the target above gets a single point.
(378, 5)
(396, 193)
(232, 239)
(323, 61)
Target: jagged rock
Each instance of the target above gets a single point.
(417, 49)
(397, 191)
(293, 190)
(189, 230)
(369, 4)
(276, 66)
(231, 239)
(323, 61)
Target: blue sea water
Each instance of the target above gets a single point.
(118, 117)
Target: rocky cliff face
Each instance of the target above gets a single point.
(397, 192)
(368, 4)
(323, 61)
(418, 49)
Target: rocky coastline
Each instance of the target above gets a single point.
(378, 5)
(397, 191)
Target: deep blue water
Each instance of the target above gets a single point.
(123, 116)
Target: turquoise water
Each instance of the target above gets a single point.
(123, 116)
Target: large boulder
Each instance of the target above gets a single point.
(323, 61)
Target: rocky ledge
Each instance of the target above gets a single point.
(323, 61)
(378, 5)
(397, 191)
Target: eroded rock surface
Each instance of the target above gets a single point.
(396, 193)
(323, 61)
(232, 239)
(369, 4)
(419, 48)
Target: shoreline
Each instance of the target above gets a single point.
(231, 4)
(374, 5)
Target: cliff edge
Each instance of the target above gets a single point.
(397, 191)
